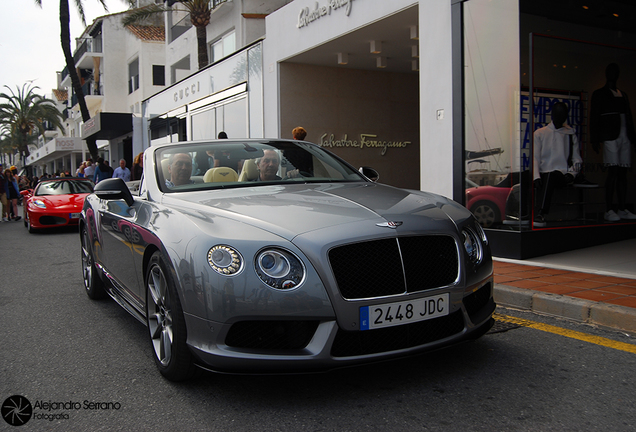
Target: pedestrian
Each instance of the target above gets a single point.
(299, 133)
(3, 196)
(89, 169)
(138, 166)
(12, 191)
(102, 171)
(122, 171)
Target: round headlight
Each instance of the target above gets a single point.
(225, 260)
(274, 264)
(473, 246)
(279, 269)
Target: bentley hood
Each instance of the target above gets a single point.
(295, 209)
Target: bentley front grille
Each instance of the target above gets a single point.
(386, 267)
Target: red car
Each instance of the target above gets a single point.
(488, 203)
(55, 202)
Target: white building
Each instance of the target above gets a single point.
(416, 89)
(118, 68)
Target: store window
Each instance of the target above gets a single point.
(229, 116)
(536, 88)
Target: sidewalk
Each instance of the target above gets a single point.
(595, 285)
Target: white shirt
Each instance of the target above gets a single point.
(551, 150)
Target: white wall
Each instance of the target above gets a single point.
(436, 135)
(114, 66)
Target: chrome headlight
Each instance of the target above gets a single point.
(473, 245)
(279, 269)
(225, 260)
(481, 233)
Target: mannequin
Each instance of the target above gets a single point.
(611, 125)
(555, 160)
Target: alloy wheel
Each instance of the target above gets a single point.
(160, 315)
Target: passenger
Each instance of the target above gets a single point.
(180, 169)
(268, 166)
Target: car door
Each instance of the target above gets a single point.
(120, 240)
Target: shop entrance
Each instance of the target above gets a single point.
(358, 96)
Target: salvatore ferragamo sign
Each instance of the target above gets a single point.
(366, 141)
(307, 16)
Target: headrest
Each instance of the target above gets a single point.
(220, 174)
(249, 171)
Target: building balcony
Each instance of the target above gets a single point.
(93, 94)
(84, 57)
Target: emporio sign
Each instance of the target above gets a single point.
(307, 16)
(366, 141)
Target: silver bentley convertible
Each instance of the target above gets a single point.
(277, 256)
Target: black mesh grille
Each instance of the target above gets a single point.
(347, 344)
(378, 268)
(474, 302)
(275, 335)
(429, 261)
(370, 269)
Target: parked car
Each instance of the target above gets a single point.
(283, 258)
(488, 203)
(55, 202)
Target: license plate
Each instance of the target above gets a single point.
(393, 314)
(74, 215)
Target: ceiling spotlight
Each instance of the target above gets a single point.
(376, 47)
(380, 62)
(415, 33)
(415, 52)
(343, 58)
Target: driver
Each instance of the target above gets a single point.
(180, 169)
(268, 166)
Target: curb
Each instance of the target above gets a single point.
(572, 308)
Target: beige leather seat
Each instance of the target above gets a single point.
(249, 171)
(220, 174)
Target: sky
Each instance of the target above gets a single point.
(30, 47)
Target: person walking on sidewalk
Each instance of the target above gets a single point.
(12, 192)
(3, 196)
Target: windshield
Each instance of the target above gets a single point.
(64, 187)
(222, 164)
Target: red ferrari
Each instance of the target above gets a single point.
(55, 202)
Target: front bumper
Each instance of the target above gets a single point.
(310, 345)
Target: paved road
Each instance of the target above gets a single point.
(60, 347)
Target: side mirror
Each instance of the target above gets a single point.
(26, 193)
(114, 189)
(369, 173)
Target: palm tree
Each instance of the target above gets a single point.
(199, 10)
(65, 37)
(23, 114)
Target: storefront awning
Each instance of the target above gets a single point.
(106, 126)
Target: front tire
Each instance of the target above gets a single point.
(166, 324)
(92, 283)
